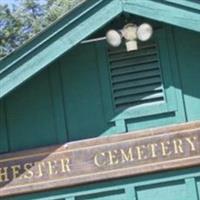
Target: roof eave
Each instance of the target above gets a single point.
(18, 68)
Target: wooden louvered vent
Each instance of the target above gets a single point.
(135, 77)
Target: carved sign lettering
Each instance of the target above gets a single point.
(100, 159)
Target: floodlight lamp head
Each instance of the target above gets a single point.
(144, 32)
(114, 38)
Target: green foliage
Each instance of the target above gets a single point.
(57, 8)
(22, 22)
(9, 30)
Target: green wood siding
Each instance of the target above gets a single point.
(59, 38)
(31, 116)
(176, 185)
(81, 93)
(72, 99)
(188, 54)
(166, 111)
(3, 129)
(82, 22)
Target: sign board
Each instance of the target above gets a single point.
(98, 159)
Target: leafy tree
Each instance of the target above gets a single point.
(56, 8)
(20, 23)
(9, 30)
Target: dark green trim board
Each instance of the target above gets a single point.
(193, 4)
(164, 12)
(174, 185)
(4, 130)
(57, 102)
(82, 22)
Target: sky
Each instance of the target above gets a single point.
(8, 2)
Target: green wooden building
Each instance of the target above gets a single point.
(67, 85)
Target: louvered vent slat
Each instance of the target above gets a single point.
(125, 55)
(131, 69)
(139, 90)
(134, 61)
(139, 98)
(135, 76)
(136, 83)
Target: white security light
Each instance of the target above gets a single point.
(114, 38)
(144, 32)
(131, 45)
(129, 32)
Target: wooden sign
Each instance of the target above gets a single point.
(98, 159)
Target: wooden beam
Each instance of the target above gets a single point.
(160, 11)
(186, 3)
(98, 159)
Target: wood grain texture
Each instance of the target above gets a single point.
(168, 13)
(187, 4)
(98, 159)
(79, 24)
